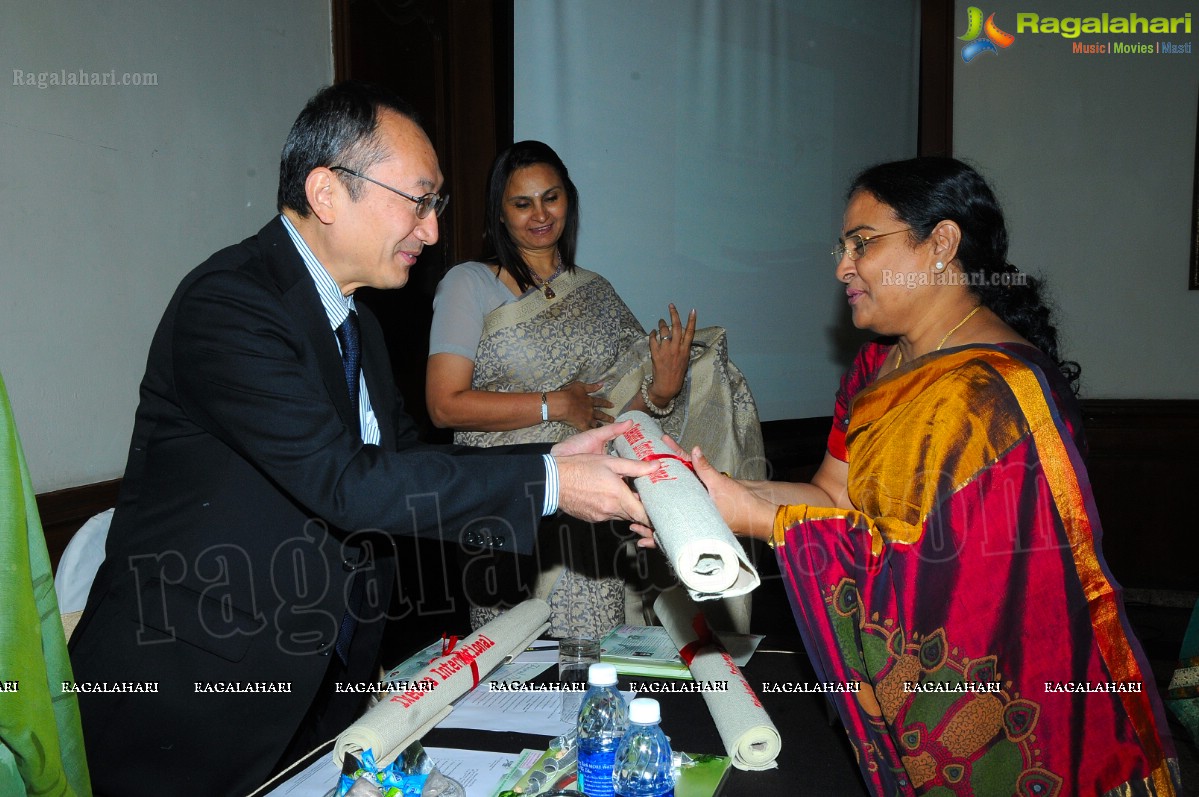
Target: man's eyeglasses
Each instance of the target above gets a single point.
(424, 203)
(855, 245)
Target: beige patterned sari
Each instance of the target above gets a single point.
(592, 576)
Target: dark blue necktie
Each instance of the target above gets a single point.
(351, 354)
(349, 620)
(351, 360)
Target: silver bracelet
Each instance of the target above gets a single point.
(654, 409)
(545, 409)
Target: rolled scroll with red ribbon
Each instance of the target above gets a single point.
(749, 736)
(688, 527)
(404, 717)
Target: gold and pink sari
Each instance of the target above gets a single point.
(967, 594)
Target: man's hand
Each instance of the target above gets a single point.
(592, 484)
(592, 441)
(592, 487)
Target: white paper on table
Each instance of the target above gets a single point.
(522, 712)
(636, 641)
(542, 650)
(517, 671)
(479, 771)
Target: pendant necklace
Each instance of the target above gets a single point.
(544, 284)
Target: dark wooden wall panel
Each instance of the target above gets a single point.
(937, 59)
(1144, 467)
(452, 60)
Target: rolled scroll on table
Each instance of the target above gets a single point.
(688, 527)
(745, 728)
(404, 717)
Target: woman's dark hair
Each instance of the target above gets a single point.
(923, 192)
(500, 247)
(338, 127)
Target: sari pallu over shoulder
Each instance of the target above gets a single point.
(968, 597)
(535, 344)
(588, 334)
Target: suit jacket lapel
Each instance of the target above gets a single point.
(300, 297)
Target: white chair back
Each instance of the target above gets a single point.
(79, 563)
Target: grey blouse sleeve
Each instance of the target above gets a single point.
(465, 295)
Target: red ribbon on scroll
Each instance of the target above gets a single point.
(649, 457)
(447, 648)
(703, 638)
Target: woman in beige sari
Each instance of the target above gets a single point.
(529, 347)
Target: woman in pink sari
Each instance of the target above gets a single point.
(946, 555)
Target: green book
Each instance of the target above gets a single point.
(644, 650)
(536, 774)
(704, 778)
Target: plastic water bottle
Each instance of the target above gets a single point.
(643, 759)
(603, 720)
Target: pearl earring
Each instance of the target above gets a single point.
(939, 266)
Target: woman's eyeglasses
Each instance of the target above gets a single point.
(855, 245)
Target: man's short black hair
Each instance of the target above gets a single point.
(338, 127)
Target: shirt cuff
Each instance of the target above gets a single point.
(550, 506)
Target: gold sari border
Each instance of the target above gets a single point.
(790, 516)
(534, 302)
(1056, 453)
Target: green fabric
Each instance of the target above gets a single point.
(1190, 642)
(41, 739)
(1182, 697)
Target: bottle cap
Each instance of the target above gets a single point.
(601, 674)
(644, 710)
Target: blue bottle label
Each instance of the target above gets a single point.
(595, 771)
(668, 793)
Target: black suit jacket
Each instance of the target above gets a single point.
(249, 502)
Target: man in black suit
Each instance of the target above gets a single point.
(249, 564)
